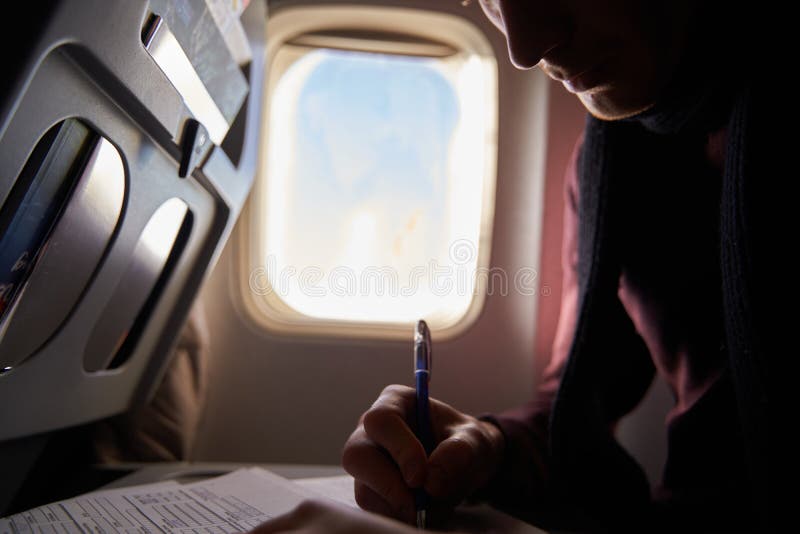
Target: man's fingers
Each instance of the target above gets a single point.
(386, 424)
(372, 502)
(448, 467)
(459, 465)
(371, 466)
(387, 460)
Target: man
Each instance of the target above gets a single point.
(664, 272)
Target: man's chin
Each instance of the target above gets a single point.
(608, 105)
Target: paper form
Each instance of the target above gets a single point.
(56, 517)
(236, 502)
(339, 488)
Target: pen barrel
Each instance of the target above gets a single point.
(424, 433)
(422, 376)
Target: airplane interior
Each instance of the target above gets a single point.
(220, 221)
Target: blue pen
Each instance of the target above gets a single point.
(422, 376)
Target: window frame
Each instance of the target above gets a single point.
(270, 312)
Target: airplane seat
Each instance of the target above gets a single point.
(163, 429)
(128, 145)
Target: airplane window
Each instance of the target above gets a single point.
(378, 181)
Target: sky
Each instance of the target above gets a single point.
(368, 172)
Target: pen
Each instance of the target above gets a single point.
(422, 376)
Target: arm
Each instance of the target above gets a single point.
(522, 478)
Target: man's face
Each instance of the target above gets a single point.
(616, 55)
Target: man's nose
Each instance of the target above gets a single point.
(533, 28)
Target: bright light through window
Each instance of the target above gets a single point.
(378, 171)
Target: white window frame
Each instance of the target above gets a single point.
(268, 311)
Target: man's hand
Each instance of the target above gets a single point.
(323, 517)
(387, 461)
